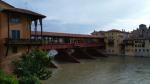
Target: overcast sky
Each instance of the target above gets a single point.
(85, 16)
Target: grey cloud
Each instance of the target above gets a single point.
(87, 12)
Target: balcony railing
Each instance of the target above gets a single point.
(23, 41)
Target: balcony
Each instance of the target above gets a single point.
(22, 42)
(110, 42)
(128, 43)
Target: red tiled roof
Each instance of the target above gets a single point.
(114, 30)
(66, 35)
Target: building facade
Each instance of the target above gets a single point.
(142, 32)
(137, 47)
(15, 24)
(113, 40)
(138, 43)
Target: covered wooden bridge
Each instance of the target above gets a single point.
(53, 40)
(83, 46)
(70, 47)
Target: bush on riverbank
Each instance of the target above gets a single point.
(32, 67)
(29, 80)
(7, 79)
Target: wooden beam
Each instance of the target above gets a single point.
(8, 26)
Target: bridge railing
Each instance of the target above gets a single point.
(69, 45)
(49, 45)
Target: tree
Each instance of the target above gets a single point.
(34, 64)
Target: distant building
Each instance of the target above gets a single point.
(137, 47)
(98, 33)
(113, 40)
(138, 44)
(142, 32)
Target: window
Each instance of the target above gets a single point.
(136, 41)
(135, 50)
(14, 19)
(29, 25)
(147, 50)
(139, 45)
(15, 34)
(143, 45)
(112, 50)
(143, 50)
(139, 50)
(109, 51)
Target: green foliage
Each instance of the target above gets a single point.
(29, 80)
(7, 79)
(34, 64)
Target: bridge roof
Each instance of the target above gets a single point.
(56, 34)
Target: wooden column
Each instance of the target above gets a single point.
(35, 23)
(41, 24)
(29, 26)
(8, 37)
(30, 23)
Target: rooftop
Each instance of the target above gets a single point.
(66, 35)
(19, 10)
(24, 11)
(115, 30)
(6, 3)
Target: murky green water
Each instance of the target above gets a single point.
(110, 70)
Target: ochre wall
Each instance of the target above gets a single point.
(22, 26)
(5, 61)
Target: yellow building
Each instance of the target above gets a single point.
(113, 41)
(137, 47)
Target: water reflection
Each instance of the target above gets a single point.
(111, 70)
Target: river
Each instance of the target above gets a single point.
(109, 70)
